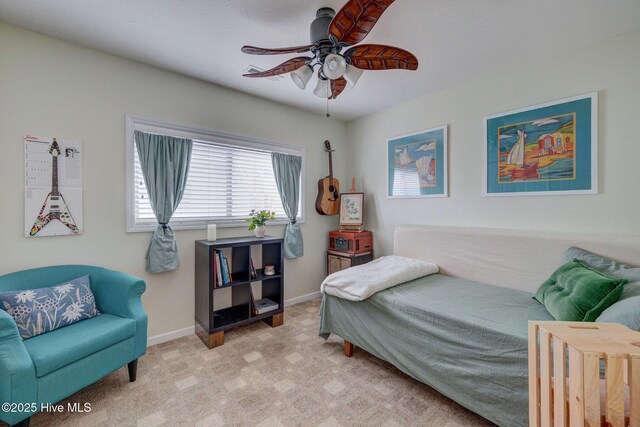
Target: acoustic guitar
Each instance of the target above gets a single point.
(328, 200)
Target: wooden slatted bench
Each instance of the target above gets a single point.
(571, 394)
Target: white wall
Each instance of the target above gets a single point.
(611, 67)
(52, 88)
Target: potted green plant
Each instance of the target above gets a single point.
(258, 220)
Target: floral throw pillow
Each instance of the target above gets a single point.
(41, 310)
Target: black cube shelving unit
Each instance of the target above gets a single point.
(210, 323)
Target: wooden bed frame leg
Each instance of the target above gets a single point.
(348, 348)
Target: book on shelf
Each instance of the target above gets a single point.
(253, 301)
(261, 306)
(252, 269)
(222, 275)
(222, 269)
(264, 305)
(225, 269)
(229, 275)
(218, 271)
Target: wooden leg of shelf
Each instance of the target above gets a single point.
(348, 348)
(275, 320)
(210, 340)
(216, 339)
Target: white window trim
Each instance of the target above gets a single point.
(134, 123)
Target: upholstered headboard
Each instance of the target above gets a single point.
(511, 258)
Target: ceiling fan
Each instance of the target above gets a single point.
(332, 32)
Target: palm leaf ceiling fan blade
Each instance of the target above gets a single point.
(253, 50)
(286, 67)
(381, 57)
(356, 19)
(337, 86)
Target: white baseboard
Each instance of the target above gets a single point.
(303, 298)
(184, 332)
(170, 336)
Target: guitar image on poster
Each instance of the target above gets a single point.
(52, 166)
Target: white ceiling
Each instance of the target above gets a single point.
(454, 40)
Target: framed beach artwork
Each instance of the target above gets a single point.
(417, 164)
(547, 149)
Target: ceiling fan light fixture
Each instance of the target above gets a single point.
(352, 75)
(301, 76)
(323, 88)
(330, 33)
(334, 66)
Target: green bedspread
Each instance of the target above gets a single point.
(467, 340)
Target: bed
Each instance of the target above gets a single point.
(464, 331)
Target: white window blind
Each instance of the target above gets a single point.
(225, 182)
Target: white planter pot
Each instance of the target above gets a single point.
(259, 231)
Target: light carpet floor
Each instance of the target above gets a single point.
(262, 376)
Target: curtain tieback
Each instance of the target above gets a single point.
(164, 225)
(293, 221)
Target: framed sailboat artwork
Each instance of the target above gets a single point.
(547, 149)
(417, 164)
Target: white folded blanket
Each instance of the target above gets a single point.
(360, 282)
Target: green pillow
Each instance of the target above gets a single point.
(627, 309)
(577, 292)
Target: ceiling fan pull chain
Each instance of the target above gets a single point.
(327, 115)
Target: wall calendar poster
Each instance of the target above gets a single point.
(53, 187)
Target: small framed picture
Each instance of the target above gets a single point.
(351, 205)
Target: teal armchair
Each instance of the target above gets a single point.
(50, 367)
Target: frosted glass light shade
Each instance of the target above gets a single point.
(323, 88)
(334, 66)
(352, 75)
(301, 76)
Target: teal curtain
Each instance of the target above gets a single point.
(287, 168)
(165, 165)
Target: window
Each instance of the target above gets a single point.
(229, 175)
